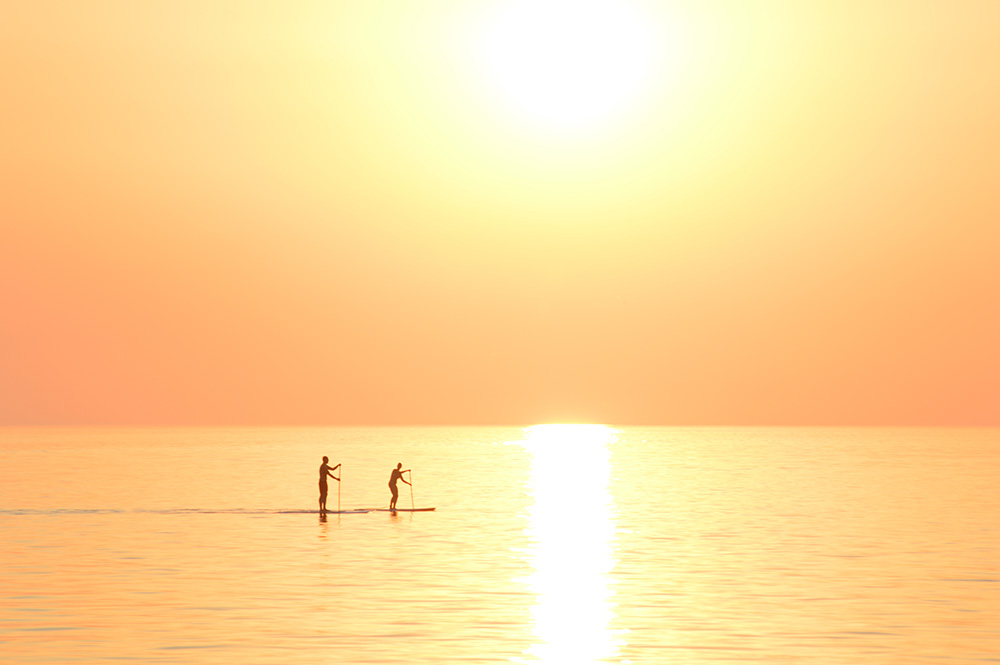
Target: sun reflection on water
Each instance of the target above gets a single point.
(572, 530)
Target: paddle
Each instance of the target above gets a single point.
(411, 489)
(338, 489)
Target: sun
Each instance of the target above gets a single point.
(568, 66)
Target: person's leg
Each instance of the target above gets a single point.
(322, 498)
(395, 495)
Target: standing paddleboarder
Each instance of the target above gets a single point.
(324, 471)
(397, 474)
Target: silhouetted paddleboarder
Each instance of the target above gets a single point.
(397, 474)
(324, 471)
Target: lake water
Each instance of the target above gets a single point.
(566, 545)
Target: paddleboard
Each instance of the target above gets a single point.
(316, 512)
(403, 510)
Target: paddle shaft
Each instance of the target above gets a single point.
(411, 489)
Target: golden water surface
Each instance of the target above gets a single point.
(550, 544)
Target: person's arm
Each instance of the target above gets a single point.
(404, 479)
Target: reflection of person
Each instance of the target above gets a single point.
(324, 471)
(397, 474)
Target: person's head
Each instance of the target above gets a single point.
(325, 459)
(399, 466)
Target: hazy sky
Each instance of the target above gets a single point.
(451, 211)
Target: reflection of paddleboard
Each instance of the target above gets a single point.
(403, 510)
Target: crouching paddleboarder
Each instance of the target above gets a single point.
(397, 474)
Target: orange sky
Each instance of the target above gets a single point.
(316, 213)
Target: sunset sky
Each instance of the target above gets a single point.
(709, 212)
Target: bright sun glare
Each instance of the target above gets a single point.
(569, 66)
(572, 527)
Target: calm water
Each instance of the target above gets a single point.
(550, 545)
